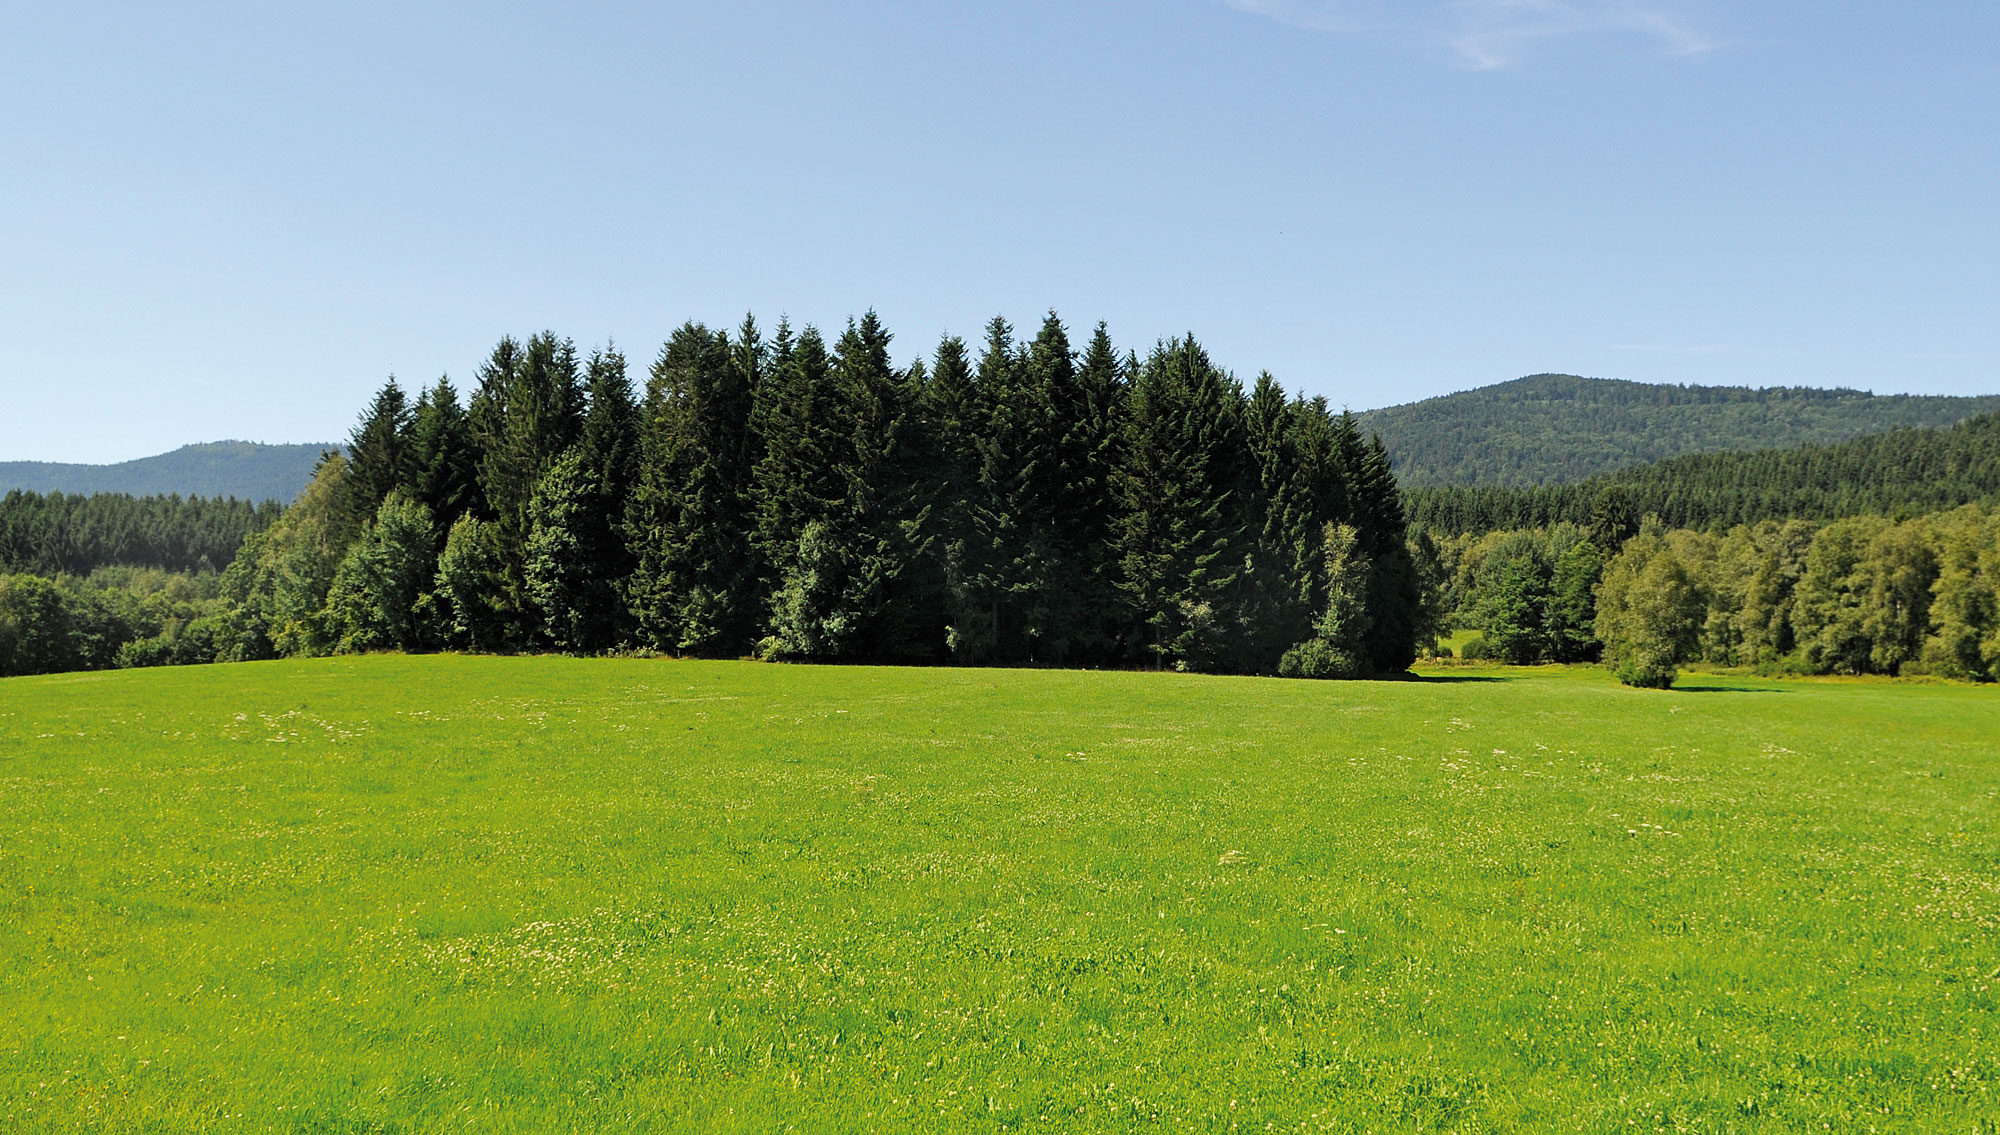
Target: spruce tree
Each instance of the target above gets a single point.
(695, 587)
(796, 479)
(881, 519)
(1180, 535)
(954, 420)
(1285, 550)
(1375, 508)
(525, 415)
(378, 452)
(610, 433)
(1572, 605)
(442, 469)
(1088, 508)
(984, 542)
(1065, 526)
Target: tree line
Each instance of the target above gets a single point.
(70, 534)
(1901, 472)
(1010, 503)
(1858, 595)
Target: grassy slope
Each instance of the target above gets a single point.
(532, 894)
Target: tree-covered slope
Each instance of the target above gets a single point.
(243, 469)
(1555, 428)
(1901, 471)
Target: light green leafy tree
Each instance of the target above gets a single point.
(1649, 612)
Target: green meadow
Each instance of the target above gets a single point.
(405, 894)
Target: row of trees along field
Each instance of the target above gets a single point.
(68, 534)
(1900, 472)
(1021, 503)
(1859, 595)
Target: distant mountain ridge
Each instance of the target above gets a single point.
(246, 470)
(1550, 429)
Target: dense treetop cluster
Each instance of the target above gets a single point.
(1014, 503)
(1901, 472)
(69, 534)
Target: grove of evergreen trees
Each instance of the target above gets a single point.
(1024, 502)
(63, 533)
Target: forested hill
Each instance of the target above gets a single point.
(242, 469)
(1551, 429)
(1904, 471)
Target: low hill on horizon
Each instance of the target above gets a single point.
(1549, 429)
(247, 470)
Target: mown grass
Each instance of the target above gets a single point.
(544, 894)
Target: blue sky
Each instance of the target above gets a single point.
(235, 221)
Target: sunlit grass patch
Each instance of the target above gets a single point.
(543, 893)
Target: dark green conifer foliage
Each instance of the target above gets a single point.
(987, 623)
(1049, 466)
(378, 452)
(796, 480)
(751, 357)
(610, 453)
(953, 417)
(695, 588)
(845, 481)
(1044, 506)
(1518, 608)
(527, 412)
(1284, 559)
(441, 473)
(1375, 507)
(610, 439)
(1180, 536)
(572, 596)
(882, 519)
(1087, 510)
(1572, 610)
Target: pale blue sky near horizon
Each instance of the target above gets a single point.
(233, 220)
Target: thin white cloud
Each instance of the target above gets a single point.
(1489, 35)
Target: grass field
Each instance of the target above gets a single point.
(451, 894)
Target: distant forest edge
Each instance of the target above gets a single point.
(1550, 429)
(1903, 472)
(246, 470)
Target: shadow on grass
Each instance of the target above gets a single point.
(1435, 679)
(1680, 689)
